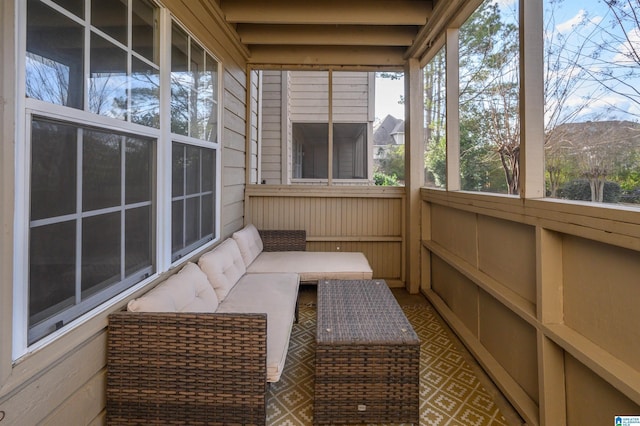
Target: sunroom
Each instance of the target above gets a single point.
(139, 134)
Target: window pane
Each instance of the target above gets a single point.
(100, 252)
(138, 160)
(55, 57)
(208, 93)
(435, 121)
(145, 94)
(388, 129)
(207, 215)
(101, 170)
(177, 175)
(180, 81)
(52, 269)
(53, 169)
(196, 103)
(137, 239)
(489, 99)
(110, 16)
(108, 80)
(208, 169)
(192, 220)
(310, 150)
(143, 33)
(177, 221)
(350, 151)
(193, 170)
(592, 102)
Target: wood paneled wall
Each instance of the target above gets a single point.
(364, 219)
(544, 294)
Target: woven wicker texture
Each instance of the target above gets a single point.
(284, 240)
(184, 369)
(367, 356)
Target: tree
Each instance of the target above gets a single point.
(489, 91)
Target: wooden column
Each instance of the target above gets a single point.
(414, 170)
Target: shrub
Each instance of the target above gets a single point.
(580, 190)
(381, 179)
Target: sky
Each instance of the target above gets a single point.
(388, 93)
(568, 13)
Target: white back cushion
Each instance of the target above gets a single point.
(249, 243)
(223, 267)
(187, 291)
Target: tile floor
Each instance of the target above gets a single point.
(453, 389)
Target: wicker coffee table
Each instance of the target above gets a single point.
(367, 356)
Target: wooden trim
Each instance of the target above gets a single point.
(321, 191)
(452, 112)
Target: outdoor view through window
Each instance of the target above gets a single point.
(591, 101)
(365, 142)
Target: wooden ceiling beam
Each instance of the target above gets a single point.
(329, 12)
(345, 35)
(296, 55)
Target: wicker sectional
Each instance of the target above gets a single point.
(199, 350)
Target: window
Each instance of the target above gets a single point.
(94, 138)
(194, 121)
(592, 103)
(489, 99)
(194, 88)
(435, 134)
(297, 138)
(192, 199)
(91, 219)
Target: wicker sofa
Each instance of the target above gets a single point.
(201, 347)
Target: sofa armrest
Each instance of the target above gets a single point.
(190, 367)
(284, 240)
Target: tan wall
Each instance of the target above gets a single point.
(364, 219)
(545, 295)
(272, 129)
(64, 382)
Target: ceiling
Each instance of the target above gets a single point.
(328, 32)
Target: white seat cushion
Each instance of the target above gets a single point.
(223, 267)
(187, 291)
(275, 295)
(314, 265)
(249, 243)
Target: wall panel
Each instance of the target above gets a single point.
(557, 293)
(369, 220)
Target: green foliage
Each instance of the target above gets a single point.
(381, 179)
(435, 160)
(580, 190)
(392, 162)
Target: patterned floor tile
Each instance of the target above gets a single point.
(450, 392)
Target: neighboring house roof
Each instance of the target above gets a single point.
(383, 132)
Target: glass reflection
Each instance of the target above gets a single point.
(108, 79)
(55, 59)
(145, 94)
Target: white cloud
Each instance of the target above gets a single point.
(625, 49)
(578, 19)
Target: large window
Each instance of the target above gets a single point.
(592, 102)
(489, 99)
(99, 145)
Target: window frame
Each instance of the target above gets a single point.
(28, 108)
